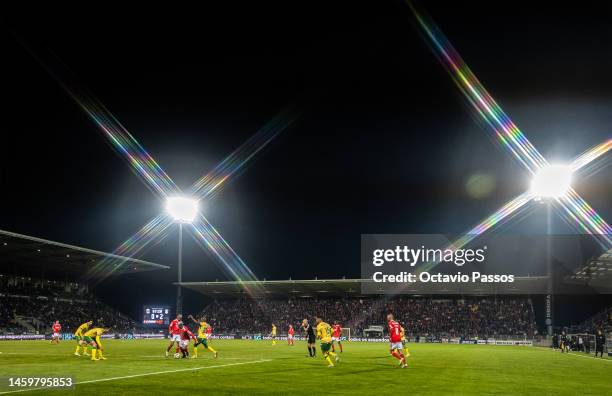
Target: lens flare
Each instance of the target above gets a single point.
(212, 183)
(591, 155)
(152, 232)
(120, 138)
(209, 238)
(575, 208)
(508, 211)
(507, 133)
(572, 207)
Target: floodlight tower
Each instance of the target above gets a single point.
(550, 182)
(184, 211)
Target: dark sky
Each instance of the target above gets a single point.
(385, 143)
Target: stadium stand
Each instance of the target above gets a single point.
(427, 317)
(30, 305)
(31, 297)
(600, 321)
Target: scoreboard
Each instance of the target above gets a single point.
(156, 315)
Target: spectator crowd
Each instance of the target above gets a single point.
(601, 321)
(425, 317)
(28, 304)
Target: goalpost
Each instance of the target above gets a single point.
(346, 332)
(588, 341)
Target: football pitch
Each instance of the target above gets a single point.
(136, 367)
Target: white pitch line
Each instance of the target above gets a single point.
(144, 375)
(578, 355)
(589, 357)
(164, 357)
(111, 355)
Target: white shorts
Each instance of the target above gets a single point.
(396, 345)
(176, 337)
(183, 344)
(55, 335)
(290, 336)
(336, 339)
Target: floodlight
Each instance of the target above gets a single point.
(553, 181)
(182, 209)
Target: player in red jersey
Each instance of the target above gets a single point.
(290, 334)
(336, 334)
(56, 332)
(185, 335)
(208, 331)
(395, 338)
(175, 333)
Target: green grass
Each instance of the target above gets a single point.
(256, 367)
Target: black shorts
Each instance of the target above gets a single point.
(312, 339)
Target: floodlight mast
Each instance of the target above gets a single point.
(183, 210)
(179, 293)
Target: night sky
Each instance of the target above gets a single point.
(385, 143)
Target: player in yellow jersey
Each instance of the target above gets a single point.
(202, 338)
(324, 333)
(273, 334)
(92, 338)
(403, 335)
(78, 336)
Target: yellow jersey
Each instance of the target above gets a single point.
(95, 332)
(202, 330)
(273, 330)
(402, 334)
(324, 332)
(81, 329)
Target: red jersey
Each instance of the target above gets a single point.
(173, 328)
(336, 331)
(57, 327)
(209, 330)
(291, 331)
(186, 334)
(395, 331)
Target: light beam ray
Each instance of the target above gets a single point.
(156, 179)
(503, 214)
(213, 182)
(505, 130)
(155, 230)
(591, 155)
(209, 238)
(573, 206)
(141, 161)
(507, 211)
(143, 165)
(148, 233)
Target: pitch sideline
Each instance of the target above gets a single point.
(143, 375)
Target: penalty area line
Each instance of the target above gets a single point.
(144, 375)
